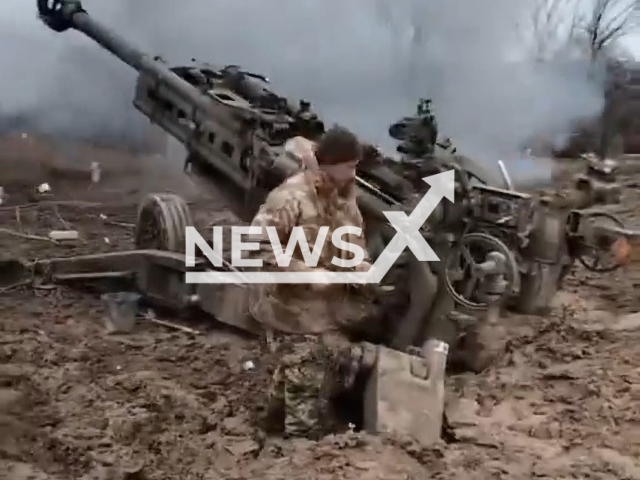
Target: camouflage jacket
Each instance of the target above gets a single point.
(307, 200)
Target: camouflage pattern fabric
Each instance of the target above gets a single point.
(316, 361)
(307, 200)
(313, 370)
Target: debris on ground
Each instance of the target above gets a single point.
(43, 188)
(58, 235)
(168, 400)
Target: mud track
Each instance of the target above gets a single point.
(78, 403)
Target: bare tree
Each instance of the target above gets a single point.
(553, 24)
(591, 29)
(558, 25)
(608, 22)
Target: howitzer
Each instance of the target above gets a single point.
(236, 130)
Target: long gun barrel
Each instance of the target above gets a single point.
(211, 119)
(61, 15)
(64, 14)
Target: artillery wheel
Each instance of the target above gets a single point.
(595, 257)
(462, 276)
(162, 221)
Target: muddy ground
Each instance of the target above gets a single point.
(79, 403)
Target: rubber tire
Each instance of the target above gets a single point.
(172, 213)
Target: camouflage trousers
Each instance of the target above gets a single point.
(312, 372)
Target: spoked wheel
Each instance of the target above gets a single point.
(465, 268)
(162, 223)
(595, 251)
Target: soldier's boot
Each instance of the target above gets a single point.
(405, 393)
(274, 415)
(305, 405)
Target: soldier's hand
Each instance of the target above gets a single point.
(363, 267)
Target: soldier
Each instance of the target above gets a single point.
(317, 359)
(302, 151)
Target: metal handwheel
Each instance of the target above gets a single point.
(595, 250)
(471, 261)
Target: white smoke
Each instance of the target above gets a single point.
(361, 63)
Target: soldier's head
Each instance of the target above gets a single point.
(338, 154)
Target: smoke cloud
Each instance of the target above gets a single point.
(362, 63)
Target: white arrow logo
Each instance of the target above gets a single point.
(408, 235)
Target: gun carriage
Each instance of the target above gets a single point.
(235, 129)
